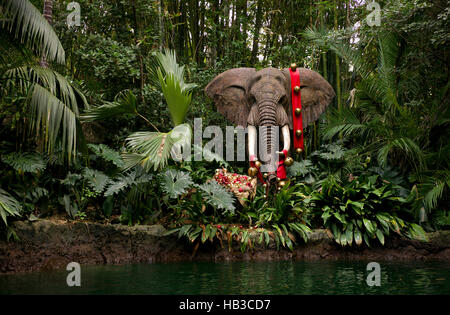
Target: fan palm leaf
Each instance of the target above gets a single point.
(170, 79)
(153, 149)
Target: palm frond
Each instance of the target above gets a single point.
(53, 81)
(344, 123)
(23, 21)
(177, 99)
(166, 62)
(125, 103)
(55, 118)
(9, 206)
(388, 49)
(328, 39)
(167, 75)
(407, 147)
(432, 186)
(153, 149)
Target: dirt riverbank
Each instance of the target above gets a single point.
(46, 244)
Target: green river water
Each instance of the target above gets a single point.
(287, 277)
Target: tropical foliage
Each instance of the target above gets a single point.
(95, 119)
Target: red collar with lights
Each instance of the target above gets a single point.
(297, 110)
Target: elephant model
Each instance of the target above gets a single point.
(289, 99)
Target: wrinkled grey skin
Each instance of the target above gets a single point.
(263, 98)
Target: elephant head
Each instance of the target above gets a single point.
(251, 98)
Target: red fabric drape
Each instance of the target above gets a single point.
(296, 103)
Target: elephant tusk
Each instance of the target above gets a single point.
(251, 140)
(286, 139)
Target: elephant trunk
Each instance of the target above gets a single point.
(269, 140)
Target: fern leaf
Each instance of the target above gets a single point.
(96, 179)
(175, 183)
(217, 196)
(301, 168)
(25, 162)
(107, 154)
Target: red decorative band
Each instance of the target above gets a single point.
(296, 104)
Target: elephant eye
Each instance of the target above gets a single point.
(283, 100)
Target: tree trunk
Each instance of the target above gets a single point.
(215, 41)
(161, 24)
(201, 44)
(338, 72)
(137, 35)
(258, 22)
(48, 15)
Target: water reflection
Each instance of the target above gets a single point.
(323, 277)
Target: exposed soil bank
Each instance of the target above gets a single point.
(47, 244)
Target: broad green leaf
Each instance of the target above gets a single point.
(325, 216)
(193, 234)
(366, 239)
(212, 233)
(343, 239)
(281, 235)
(338, 216)
(358, 237)
(349, 236)
(380, 236)
(205, 233)
(184, 230)
(357, 206)
(369, 226)
(266, 237)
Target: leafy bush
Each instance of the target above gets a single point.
(246, 237)
(363, 209)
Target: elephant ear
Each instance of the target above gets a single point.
(316, 95)
(229, 92)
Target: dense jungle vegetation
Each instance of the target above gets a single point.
(86, 110)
